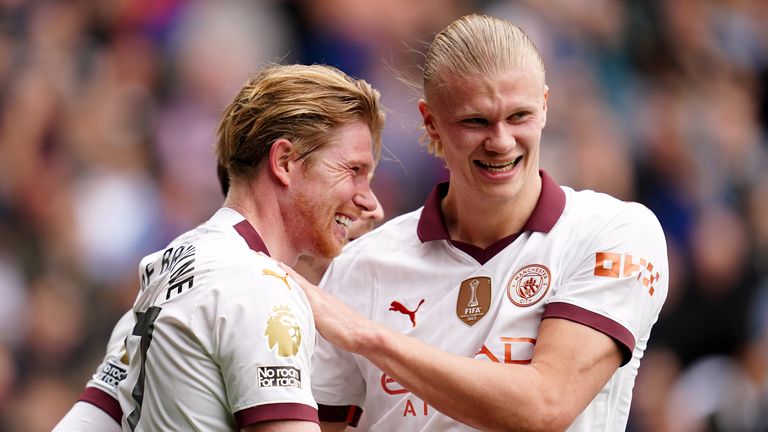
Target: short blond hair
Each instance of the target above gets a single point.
(301, 103)
(476, 45)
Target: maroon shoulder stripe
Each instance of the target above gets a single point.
(103, 401)
(275, 411)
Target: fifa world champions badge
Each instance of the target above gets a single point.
(474, 299)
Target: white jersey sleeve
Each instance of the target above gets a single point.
(86, 417)
(338, 384)
(101, 389)
(262, 340)
(620, 273)
(223, 337)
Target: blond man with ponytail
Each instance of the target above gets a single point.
(507, 302)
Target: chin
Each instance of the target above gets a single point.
(328, 249)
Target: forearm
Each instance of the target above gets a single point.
(570, 364)
(461, 387)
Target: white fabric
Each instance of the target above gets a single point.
(210, 354)
(114, 366)
(84, 417)
(93, 412)
(393, 264)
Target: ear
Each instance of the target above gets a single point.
(283, 160)
(429, 120)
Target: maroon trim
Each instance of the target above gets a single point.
(609, 327)
(103, 401)
(549, 207)
(349, 414)
(275, 411)
(431, 222)
(249, 234)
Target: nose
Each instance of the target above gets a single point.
(376, 214)
(366, 200)
(501, 139)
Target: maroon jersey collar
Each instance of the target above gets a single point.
(548, 209)
(251, 237)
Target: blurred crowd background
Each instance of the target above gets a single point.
(107, 118)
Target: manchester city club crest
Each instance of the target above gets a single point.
(474, 299)
(529, 285)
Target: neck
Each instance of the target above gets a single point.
(258, 202)
(480, 222)
(311, 268)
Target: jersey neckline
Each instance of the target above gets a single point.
(549, 207)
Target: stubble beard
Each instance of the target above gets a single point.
(310, 230)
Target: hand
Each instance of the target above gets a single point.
(338, 324)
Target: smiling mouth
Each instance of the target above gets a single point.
(498, 167)
(343, 220)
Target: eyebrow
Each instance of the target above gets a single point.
(469, 113)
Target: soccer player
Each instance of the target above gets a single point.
(220, 338)
(97, 408)
(507, 302)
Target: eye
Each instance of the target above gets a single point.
(475, 121)
(520, 115)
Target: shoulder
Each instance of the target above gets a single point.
(250, 287)
(215, 254)
(597, 223)
(395, 233)
(242, 266)
(365, 257)
(592, 211)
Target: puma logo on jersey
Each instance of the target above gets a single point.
(398, 307)
(284, 278)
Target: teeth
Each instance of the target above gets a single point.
(344, 220)
(498, 166)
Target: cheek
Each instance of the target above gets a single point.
(530, 136)
(462, 141)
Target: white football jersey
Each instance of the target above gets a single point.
(101, 390)
(582, 256)
(222, 338)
